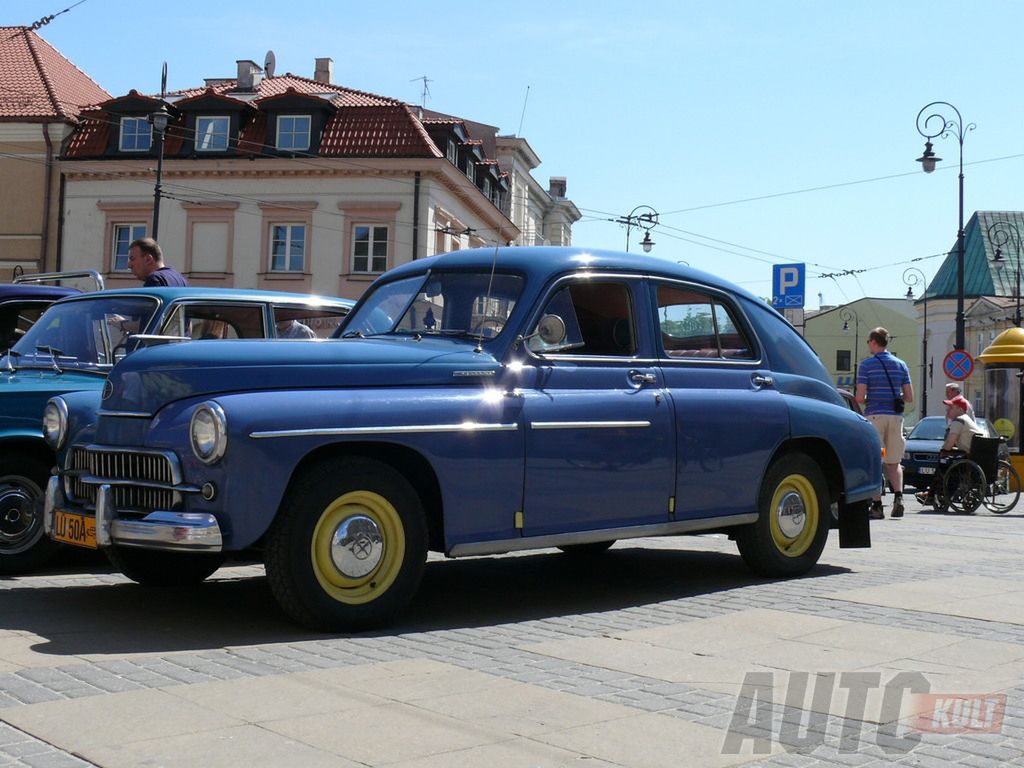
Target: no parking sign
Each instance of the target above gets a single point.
(958, 364)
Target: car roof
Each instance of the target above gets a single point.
(10, 291)
(540, 262)
(225, 294)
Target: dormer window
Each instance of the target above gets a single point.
(453, 152)
(212, 133)
(487, 189)
(293, 132)
(471, 170)
(136, 134)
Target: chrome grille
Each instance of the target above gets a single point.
(139, 481)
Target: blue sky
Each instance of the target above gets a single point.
(762, 132)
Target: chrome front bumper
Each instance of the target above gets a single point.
(175, 531)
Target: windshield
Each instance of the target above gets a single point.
(471, 304)
(934, 428)
(87, 334)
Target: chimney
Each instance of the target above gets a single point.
(324, 71)
(556, 187)
(249, 75)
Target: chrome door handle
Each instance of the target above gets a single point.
(638, 377)
(760, 381)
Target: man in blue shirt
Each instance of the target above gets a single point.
(883, 380)
(146, 261)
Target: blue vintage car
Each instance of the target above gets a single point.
(23, 301)
(476, 402)
(73, 346)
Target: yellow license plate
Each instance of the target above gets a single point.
(72, 528)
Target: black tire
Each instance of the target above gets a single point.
(793, 520)
(1004, 491)
(378, 516)
(154, 568)
(587, 550)
(964, 486)
(23, 545)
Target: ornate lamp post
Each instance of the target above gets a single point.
(912, 276)
(938, 124)
(159, 120)
(846, 314)
(646, 220)
(1000, 234)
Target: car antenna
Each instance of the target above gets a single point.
(487, 298)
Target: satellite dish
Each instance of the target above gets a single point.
(269, 62)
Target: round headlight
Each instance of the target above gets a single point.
(55, 423)
(209, 432)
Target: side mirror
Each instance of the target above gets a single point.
(551, 329)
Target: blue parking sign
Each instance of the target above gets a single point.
(788, 285)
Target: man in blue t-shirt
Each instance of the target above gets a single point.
(881, 380)
(146, 261)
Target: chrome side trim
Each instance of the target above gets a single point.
(125, 414)
(589, 424)
(473, 374)
(51, 501)
(410, 429)
(499, 547)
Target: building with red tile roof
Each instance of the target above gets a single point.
(41, 97)
(284, 181)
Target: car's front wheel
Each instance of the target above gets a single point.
(23, 547)
(792, 524)
(349, 545)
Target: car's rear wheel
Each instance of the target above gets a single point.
(793, 520)
(23, 546)
(349, 545)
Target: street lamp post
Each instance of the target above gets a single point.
(938, 124)
(846, 314)
(1001, 233)
(913, 276)
(646, 220)
(159, 120)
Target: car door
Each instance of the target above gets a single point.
(728, 418)
(600, 444)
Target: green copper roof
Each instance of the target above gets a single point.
(983, 275)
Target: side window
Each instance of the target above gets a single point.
(307, 322)
(15, 319)
(598, 317)
(695, 324)
(216, 321)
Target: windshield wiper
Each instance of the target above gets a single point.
(54, 352)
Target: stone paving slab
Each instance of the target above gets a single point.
(637, 658)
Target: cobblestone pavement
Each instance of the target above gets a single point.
(594, 628)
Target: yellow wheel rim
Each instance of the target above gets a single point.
(358, 547)
(794, 515)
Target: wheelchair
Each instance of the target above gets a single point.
(980, 478)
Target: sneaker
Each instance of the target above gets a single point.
(876, 513)
(897, 508)
(925, 497)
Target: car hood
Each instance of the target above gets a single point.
(47, 381)
(149, 379)
(918, 445)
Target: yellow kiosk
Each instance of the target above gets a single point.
(1004, 368)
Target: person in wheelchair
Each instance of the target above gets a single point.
(960, 431)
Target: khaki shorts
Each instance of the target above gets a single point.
(890, 429)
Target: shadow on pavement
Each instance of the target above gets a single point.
(127, 618)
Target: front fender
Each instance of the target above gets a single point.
(850, 435)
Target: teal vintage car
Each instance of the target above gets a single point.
(72, 348)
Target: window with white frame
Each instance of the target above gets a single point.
(453, 152)
(293, 132)
(287, 247)
(212, 133)
(487, 188)
(124, 235)
(136, 134)
(369, 248)
(471, 170)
